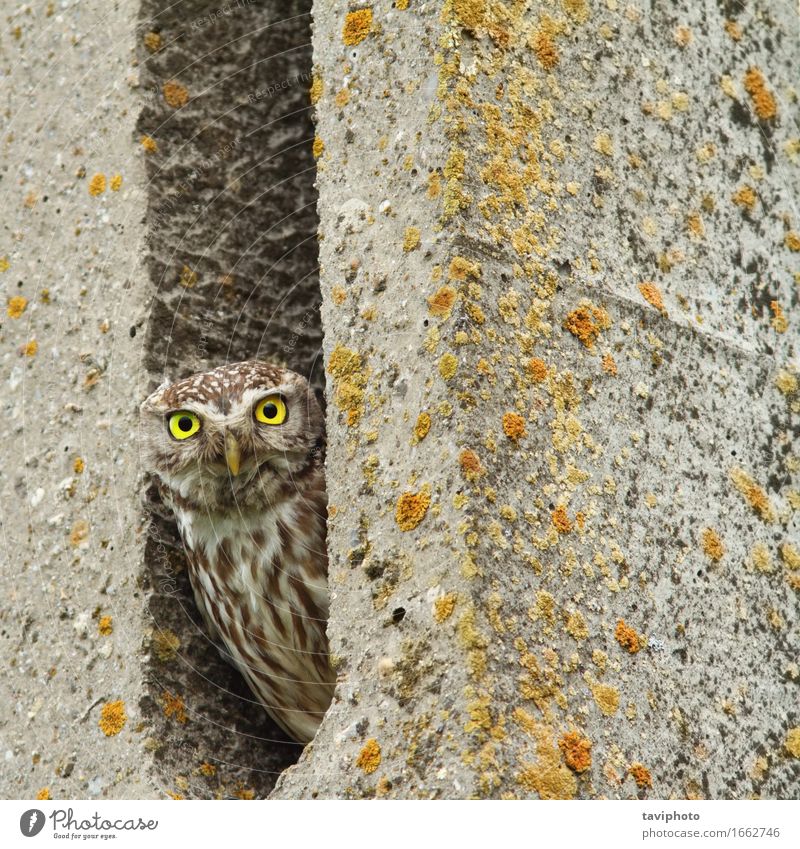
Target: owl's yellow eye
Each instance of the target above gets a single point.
(183, 424)
(271, 410)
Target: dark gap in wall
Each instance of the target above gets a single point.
(227, 135)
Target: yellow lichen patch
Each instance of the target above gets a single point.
(345, 367)
(652, 294)
(470, 13)
(412, 507)
(207, 769)
(444, 606)
(441, 302)
(116, 183)
(712, 545)
(4, 264)
(318, 147)
(543, 43)
(187, 278)
(97, 185)
(763, 100)
(448, 365)
(29, 349)
(683, 36)
(411, 238)
(152, 41)
(149, 144)
(753, 494)
(79, 533)
(792, 241)
(514, 426)
(779, 322)
(760, 558)
(470, 464)
(609, 365)
(560, 519)
(641, 775)
(173, 706)
(549, 777)
(790, 556)
(586, 323)
(422, 427)
(746, 197)
(175, 94)
(356, 27)
(606, 698)
(105, 627)
(369, 758)
(78, 465)
(578, 10)
(734, 29)
(603, 144)
(576, 626)
(695, 224)
(627, 637)
(166, 644)
(461, 268)
(792, 742)
(786, 382)
(315, 89)
(44, 795)
(537, 369)
(577, 751)
(112, 718)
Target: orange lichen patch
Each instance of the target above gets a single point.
(177, 797)
(544, 46)
(318, 147)
(514, 426)
(97, 185)
(356, 27)
(207, 769)
(627, 637)
(683, 36)
(345, 366)
(461, 268)
(577, 751)
(779, 322)
(586, 323)
(44, 795)
(745, 197)
(188, 278)
(173, 706)
(448, 365)
(641, 775)
(79, 532)
(342, 98)
(470, 464)
(609, 365)
(652, 294)
(733, 29)
(166, 644)
(753, 494)
(712, 545)
(369, 758)
(116, 183)
(112, 718)
(422, 426)
(792, 742)
(537, 369)
(411, 239)
(444, 606)
(792, 241)
(78, 465)
(152, 41)
(606, 698)
(763, 100)
(29, 349)
(441, 302)
(149, 144)
(105, 627)
(561, 521)
(412, 507)
(175, 94)
(315, 89)
(434, 185)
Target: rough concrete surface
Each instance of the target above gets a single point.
(559, 279)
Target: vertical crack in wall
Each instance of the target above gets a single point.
(232, 258)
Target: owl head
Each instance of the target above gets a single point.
(236, 434)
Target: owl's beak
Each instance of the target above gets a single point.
(232, 453)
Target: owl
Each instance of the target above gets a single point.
(238, 455)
